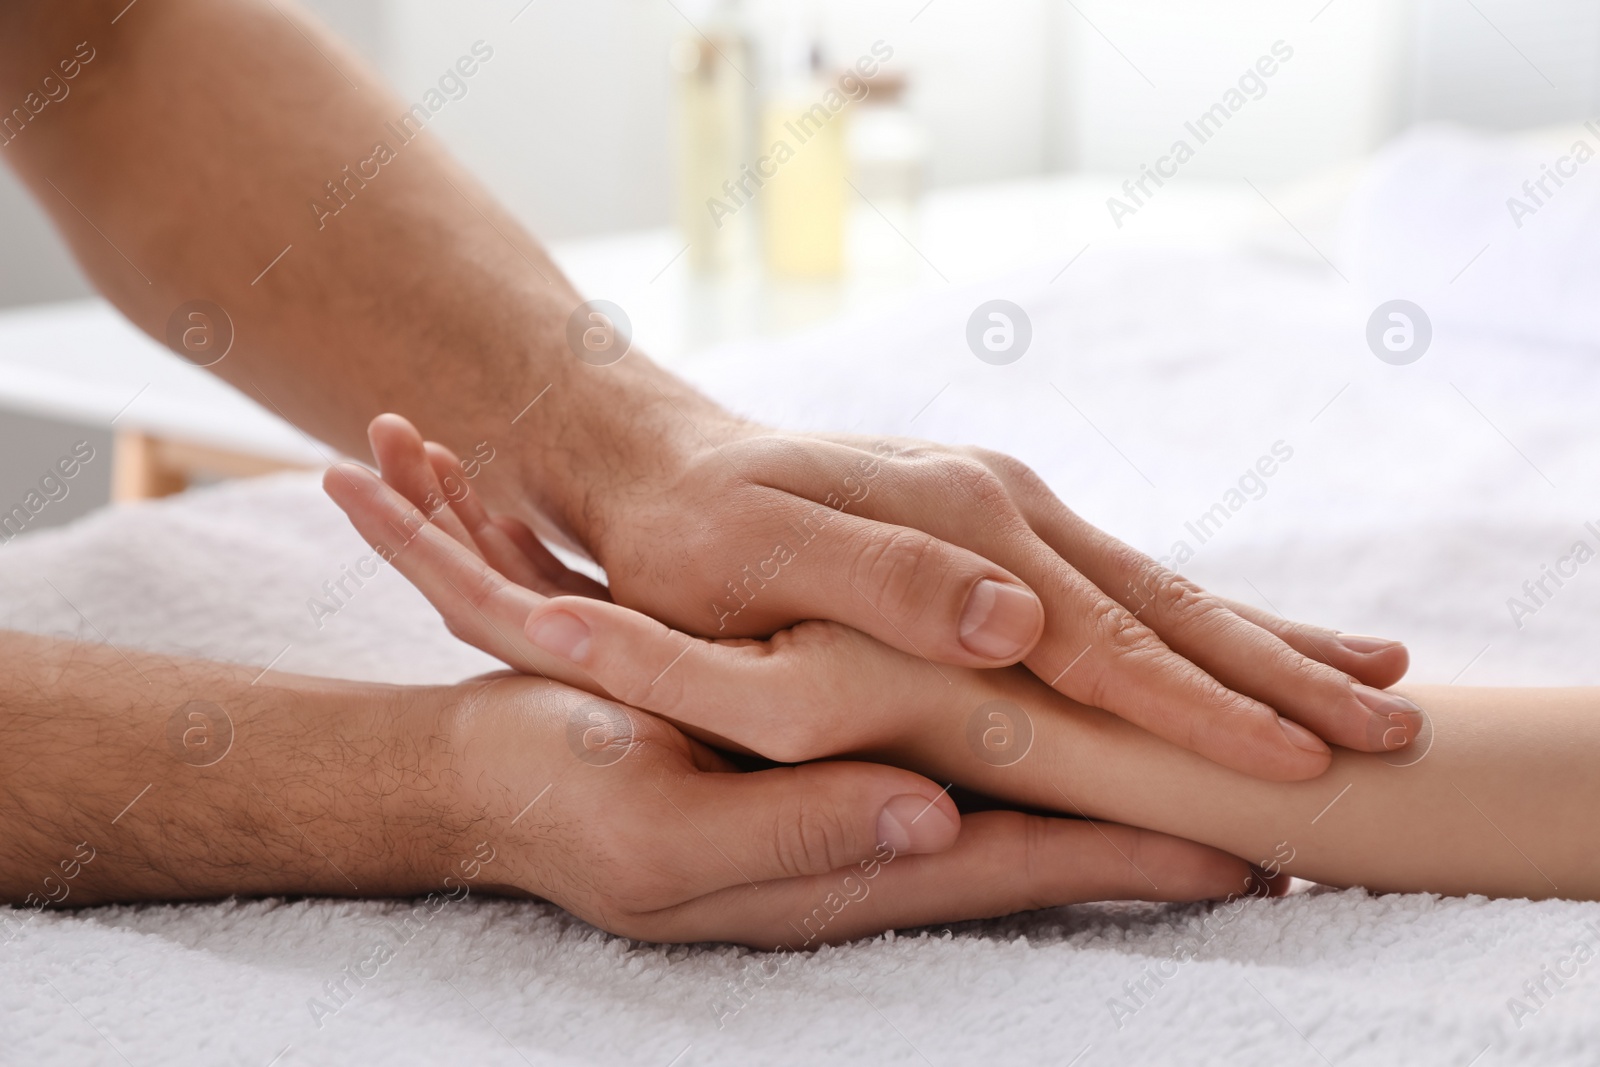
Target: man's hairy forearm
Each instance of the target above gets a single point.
(188, 155)
(136, 776)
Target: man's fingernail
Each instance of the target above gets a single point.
(1366, 644)
(1396, 720)
(1300, 737)
(560, 633)
(1000, 620)
(912, 823)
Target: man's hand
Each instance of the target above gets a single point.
(946, 553)
(802, 696)
(130, 776)
(625, 822)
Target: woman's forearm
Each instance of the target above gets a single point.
(1502, 801)
(1499, 797)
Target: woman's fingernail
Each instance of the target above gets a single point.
(1300, 737)
(1000, 620)
(1366, 644)
(560, 633)
(1395, 720)
(912, 823)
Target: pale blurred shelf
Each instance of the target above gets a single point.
(82, 363)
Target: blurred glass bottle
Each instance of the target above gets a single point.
(887, 150)
(803, 202)
(715, 104)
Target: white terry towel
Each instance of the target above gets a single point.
(1153, 383)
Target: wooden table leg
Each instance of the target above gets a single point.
(145, 467)
(138, 471)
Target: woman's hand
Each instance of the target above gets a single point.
(622, 820)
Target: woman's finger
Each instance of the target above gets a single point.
(490, 540)
(432, 478)
(476, 602)
(403, 461)
(817, 689)
(565, 578)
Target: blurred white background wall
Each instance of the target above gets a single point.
(572, 125)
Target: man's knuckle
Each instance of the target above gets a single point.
(1006, 466)
(1294, 633)
(1032, 850)
(815, 838)
(1118, 630)
(1176, 598)
(969, 480)
(1302, 670)
(1313, 641)
(1125, 645)
(1022, 481)
(889, 569)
